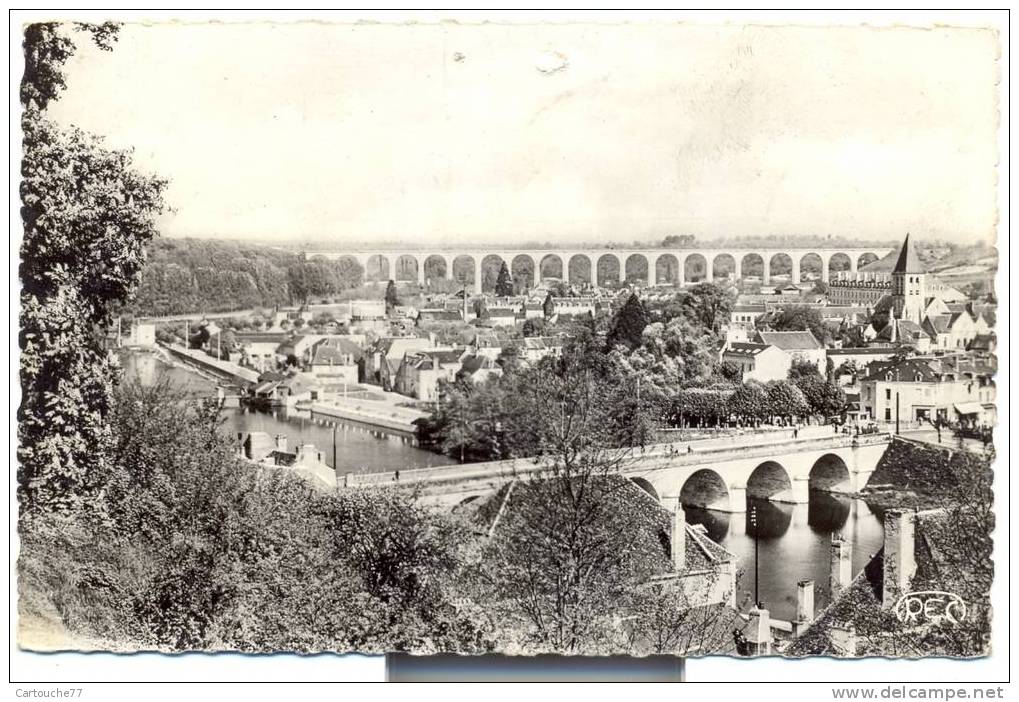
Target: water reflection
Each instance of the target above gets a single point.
(772, 518)
(793, 544)
(827, 513)
(717, 523)
(358, 448)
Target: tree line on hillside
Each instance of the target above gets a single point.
(198, 275)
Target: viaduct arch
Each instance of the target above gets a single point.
(611, 265)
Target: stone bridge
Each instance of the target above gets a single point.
(716, 474)
(654, 266)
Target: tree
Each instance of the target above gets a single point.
(202, 551)
(227, 343)
(504, 283)
(800, 368)
(707, 305)
(533, 327)
(825, 398)
(879, 320)
(786, 400)
(509, 358)
(87, 216)
(200, 338)
(392, 299)
(548, 307)
(801, 318)
(560, 288)
(47, 48)
(849, 368)
(730, 371)
(853, 337)
(749, 402)
(701, 406)
(628, 324)
(563, 555)
(480, 308)
(678, 240)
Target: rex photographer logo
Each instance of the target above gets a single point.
(930, 607)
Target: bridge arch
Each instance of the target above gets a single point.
(695, 268)
(866, 258)
(769, 481)
(647, 487)
(706, 489)
(811, 267)
(666, 270)
(751, 265)
(522, 271)
(830, 474)
(463, 269)
(579, 269)
(464, 502)
(376, 269)
(490, 266)
(406, 268)
(608, 269)
(839, 262)
(723, 267)
(435, 268)
(781, 264)
(636, 268)
(551, 266)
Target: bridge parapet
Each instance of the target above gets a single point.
(654, 457)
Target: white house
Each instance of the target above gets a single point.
(761, 362)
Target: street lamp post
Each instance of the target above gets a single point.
(896, 412)
(753, 528)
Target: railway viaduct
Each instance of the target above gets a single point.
(654, 266)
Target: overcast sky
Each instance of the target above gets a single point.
(574, 132)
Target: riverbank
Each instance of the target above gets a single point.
(914, 474)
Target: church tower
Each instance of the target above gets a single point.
(909, 285)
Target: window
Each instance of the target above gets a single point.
(888, 393)
(888, 414)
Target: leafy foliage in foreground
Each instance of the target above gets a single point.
(87, 216)
(197, 550)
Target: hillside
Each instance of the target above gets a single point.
(208, 275)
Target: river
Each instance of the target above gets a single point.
(794, 539)
(794, 543)
(359, 448)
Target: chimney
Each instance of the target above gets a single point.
(673, 504)
(759, 631)
(899, 556)
(281, 443)
(805, 601)
(841, 564)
